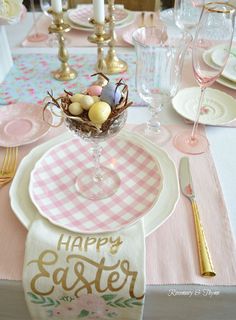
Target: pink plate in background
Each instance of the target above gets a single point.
(22, 123)
(52, 186)
(83, 13)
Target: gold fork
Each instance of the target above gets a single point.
(142, 22)
(8, 169)
(152, 20)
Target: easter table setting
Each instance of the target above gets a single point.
(74, 247)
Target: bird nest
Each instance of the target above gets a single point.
(82, 122)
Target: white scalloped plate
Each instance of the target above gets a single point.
(81, 15)
(159, 213)
(218, 107)
(227, 76)
(130, 19)
(217, 57)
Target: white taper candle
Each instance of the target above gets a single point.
(56, 5)
(99, 11)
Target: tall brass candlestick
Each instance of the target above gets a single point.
(114, 64)
(100, 37)
(58, 26)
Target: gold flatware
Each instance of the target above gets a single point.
(152, 19)
(8, 169)
(186, 184)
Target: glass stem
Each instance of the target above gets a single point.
(96, 154)
(153, 124)
(34, 17)
(195, 126)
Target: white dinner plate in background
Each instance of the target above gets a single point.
(218, 107)
(130, 19)
(82, 14)
(217, 57)
(222, 80)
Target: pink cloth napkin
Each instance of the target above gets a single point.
(171, 249)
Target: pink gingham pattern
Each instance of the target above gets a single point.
(52, 186)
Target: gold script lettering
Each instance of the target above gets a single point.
(115, 245)
(43, 273)
(73, 276)
(63, 243)
(80, 243)
(124, 266)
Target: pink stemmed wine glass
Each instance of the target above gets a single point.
(36, 36)
(214, 32)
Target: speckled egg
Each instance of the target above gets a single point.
(75, 108)
(99, 112)
(86, 102)
(111, 95)
(76, 97)
(94, 90)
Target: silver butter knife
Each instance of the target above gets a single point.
(186, 185)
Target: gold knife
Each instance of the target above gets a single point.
(186, 184)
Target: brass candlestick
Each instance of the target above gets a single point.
(100, 37)
(114, 64)
(58, 26)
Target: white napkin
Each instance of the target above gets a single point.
(10, 11)
(74, 276)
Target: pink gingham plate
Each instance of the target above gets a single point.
(83, 13)
(22, 123)
(52, 186)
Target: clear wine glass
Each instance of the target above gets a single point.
(97, 182)
(160, 54)
(36, 36)
(187, 13)
(215, 28)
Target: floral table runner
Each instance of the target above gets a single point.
(30, 77)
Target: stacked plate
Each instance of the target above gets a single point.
(79, 18)
(213, 58)
(44, 185)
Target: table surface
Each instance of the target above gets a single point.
(222, 140)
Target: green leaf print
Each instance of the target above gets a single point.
(44, 302)
(108, 297)
(83, 313)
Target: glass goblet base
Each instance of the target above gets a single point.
(99, 186)
(184, 143)
(159, 136)
(37, 37)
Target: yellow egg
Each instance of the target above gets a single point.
(99, 112)
(86, 102)
(75, 108)
(76, 97)
(95, 98)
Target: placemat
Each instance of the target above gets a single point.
(171, 250)
(76, 38)
(79, 38)
(30, 77)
